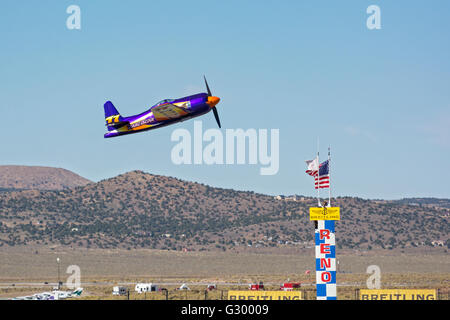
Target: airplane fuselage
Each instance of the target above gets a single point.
(164, 113)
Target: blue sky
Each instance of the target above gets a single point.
(311, 69)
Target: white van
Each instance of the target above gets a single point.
(145, 287)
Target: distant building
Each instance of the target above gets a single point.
(437, 243)
(290, 198)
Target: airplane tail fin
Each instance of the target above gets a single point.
(112, 116)
(110, 110)
(78, 292)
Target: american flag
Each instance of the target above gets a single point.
(324, 176)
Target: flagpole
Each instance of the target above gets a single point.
(318, 169)
(329, 177)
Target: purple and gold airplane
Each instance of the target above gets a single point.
(162, 114)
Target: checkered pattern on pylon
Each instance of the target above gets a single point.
(325, 260)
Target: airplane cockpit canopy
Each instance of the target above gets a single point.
(164, 101)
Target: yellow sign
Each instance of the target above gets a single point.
(324, 213)
(264, 295)
(398, 294)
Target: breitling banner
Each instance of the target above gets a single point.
(397, 294)
(324, 213)
(264, 295)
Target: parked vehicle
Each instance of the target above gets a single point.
(290, 286)
(119, 291)
(256, 286)
(145, 287)
(211, 286)
(183, 287)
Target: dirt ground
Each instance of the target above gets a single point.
(27, 270)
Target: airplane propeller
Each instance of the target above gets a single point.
(213, 101)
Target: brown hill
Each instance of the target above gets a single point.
(138, 209)
(39, 178)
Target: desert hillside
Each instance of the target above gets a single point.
(142, 210)
(39, 178)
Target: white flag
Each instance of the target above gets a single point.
(313, 167)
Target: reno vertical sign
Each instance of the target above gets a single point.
(325, 260)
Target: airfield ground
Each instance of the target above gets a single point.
(26, 270)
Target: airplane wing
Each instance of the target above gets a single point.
(169, 111)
